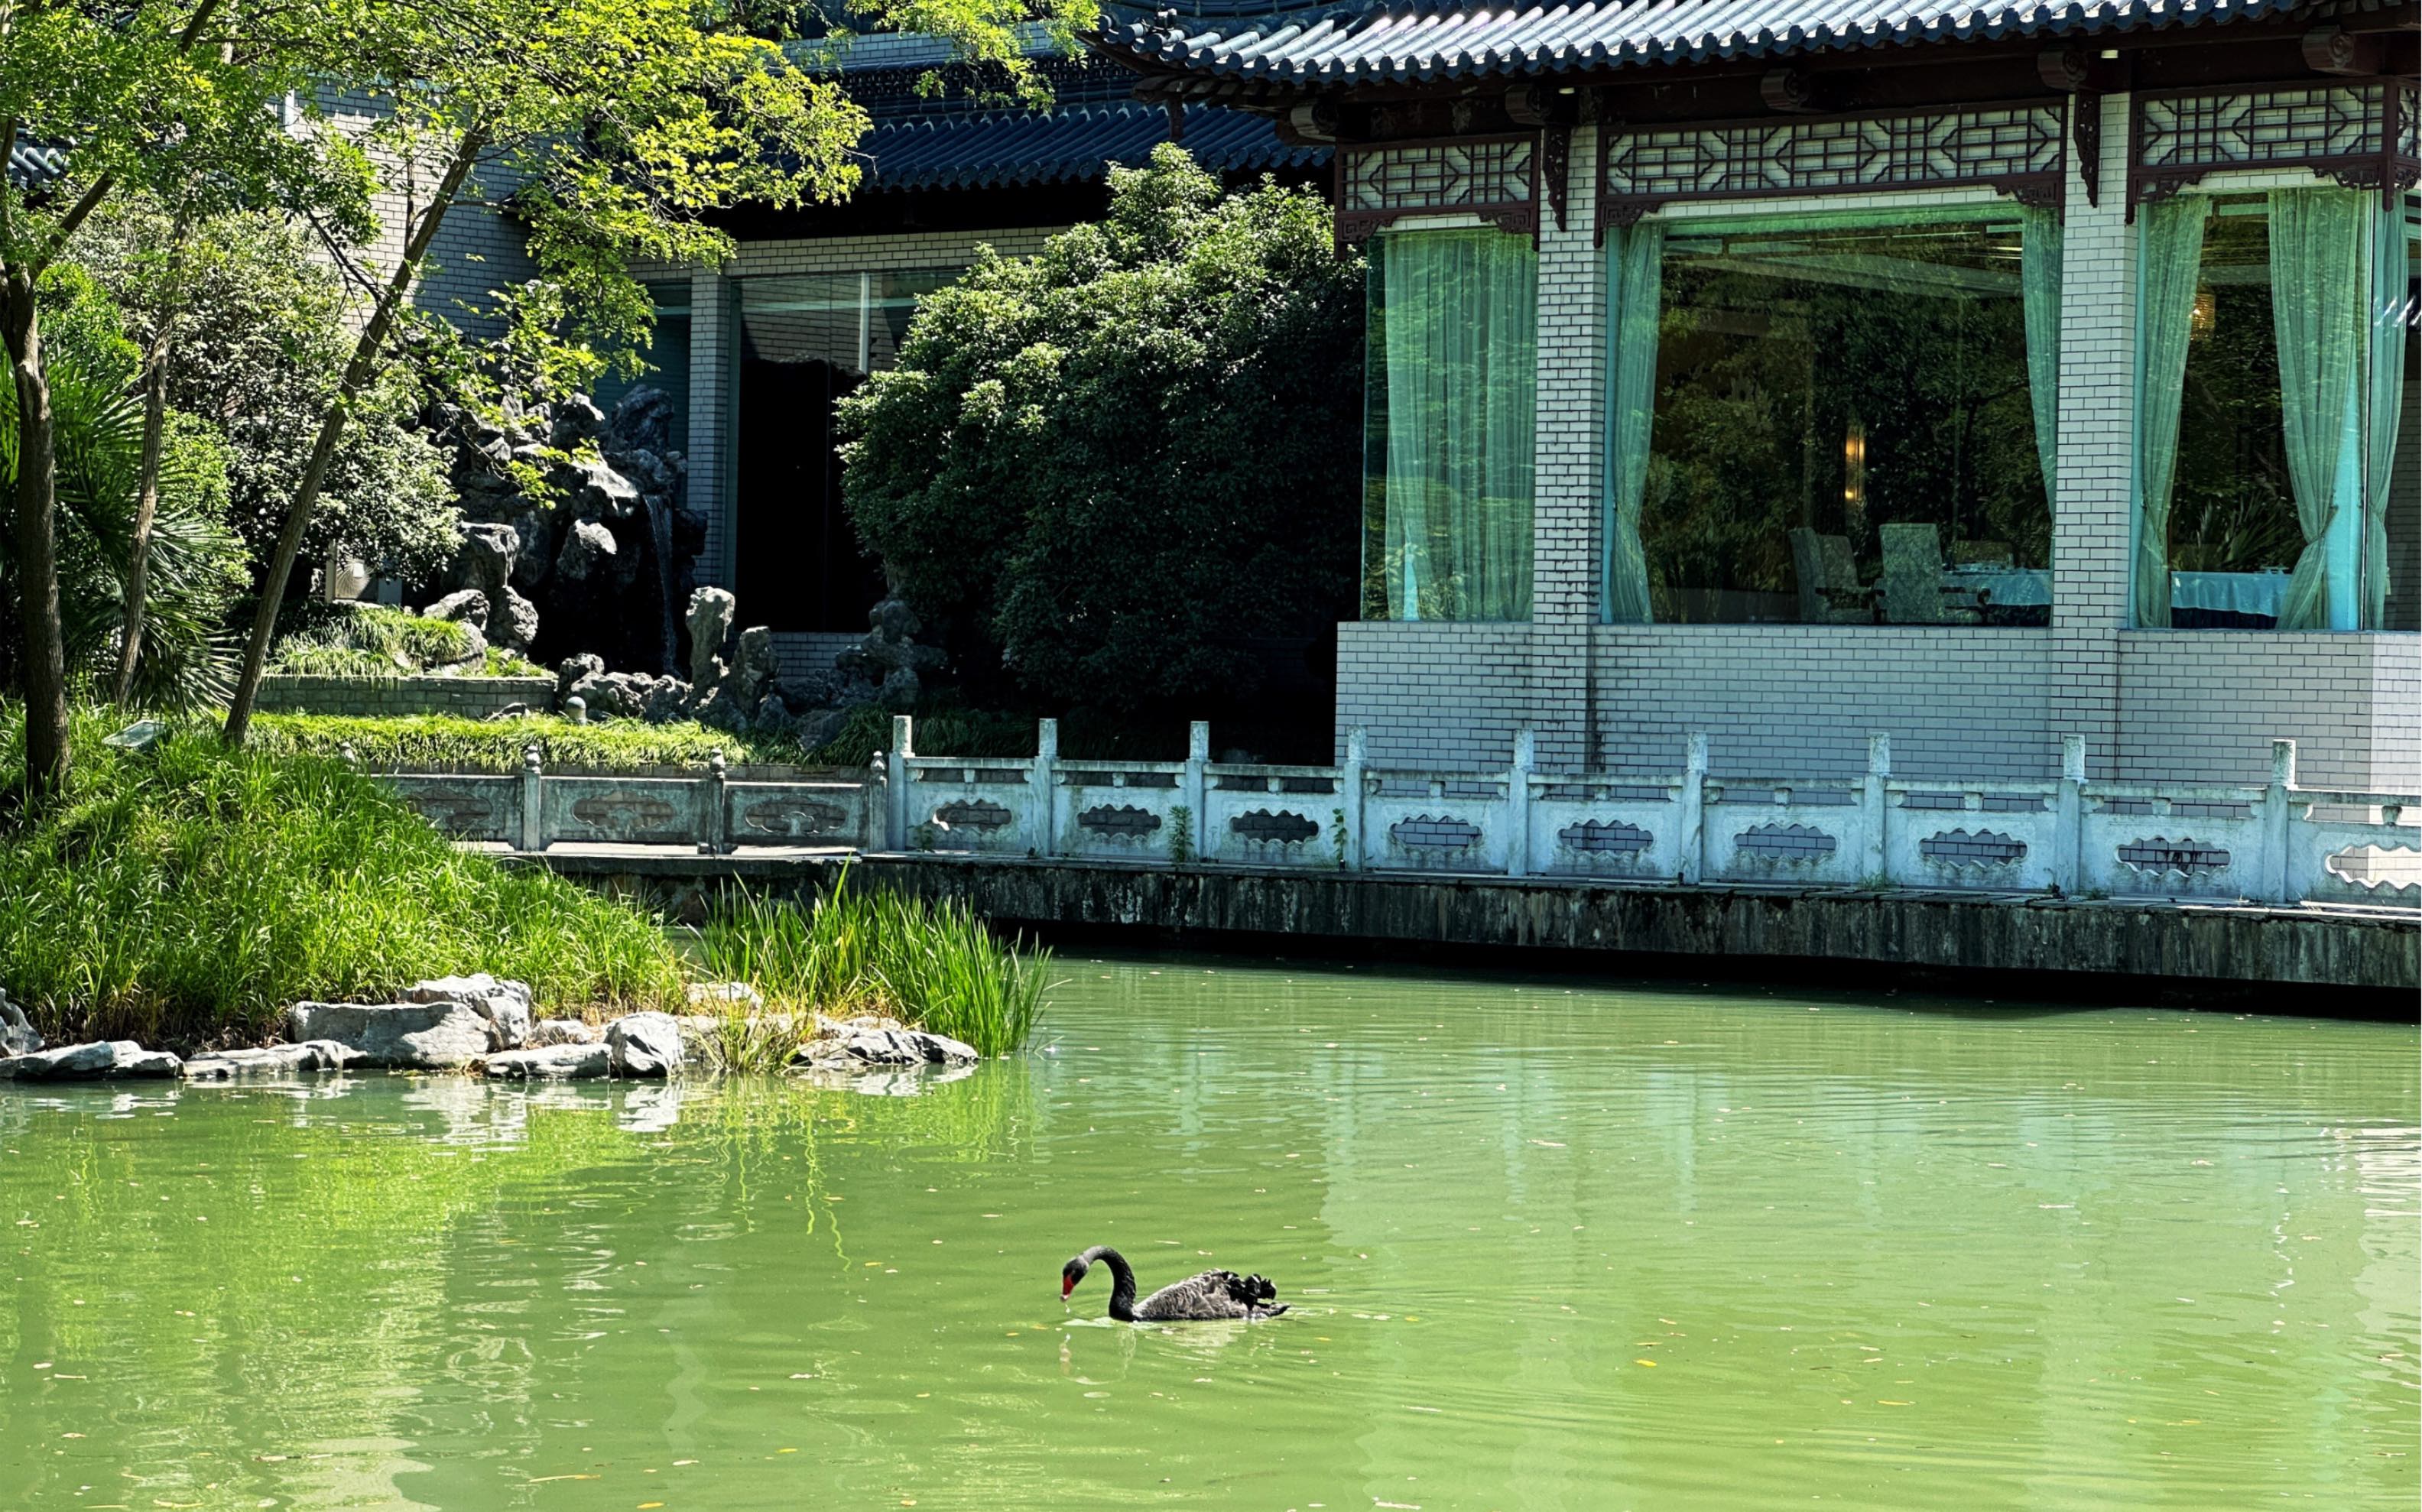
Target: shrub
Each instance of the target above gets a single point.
(1104, 466)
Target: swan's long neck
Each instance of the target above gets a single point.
(1122, 1285)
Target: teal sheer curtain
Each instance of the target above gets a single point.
(2320, 293)
(2171, 252)
(2384, 401)
(2039, 285)
(1461, 365)
(1637, 261)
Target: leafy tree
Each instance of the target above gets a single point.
(1106, 464)
(260, 339)
(196, 563)
(619, 124)
(162, 97)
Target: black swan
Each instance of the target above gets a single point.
(1214, 1294)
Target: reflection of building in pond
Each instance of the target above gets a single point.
(1794, 385)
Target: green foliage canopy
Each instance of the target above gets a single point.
(1104, 466)
(261, 337)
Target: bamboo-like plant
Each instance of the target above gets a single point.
(196, 562)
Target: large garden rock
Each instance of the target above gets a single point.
(550, 1062)
(468, 605)
(271, 1061)
(589, 551)
(410, 1035)
(645, 1044)
(857, 1048)
(710, 624)
(548, 1031)
(506, 1005)
(110, 1060)
(17, 1035)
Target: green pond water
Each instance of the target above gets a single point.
(1549, 1246)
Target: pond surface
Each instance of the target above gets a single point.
(1549, 1246)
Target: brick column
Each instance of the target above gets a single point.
(2095, 500)
(713, 361)
(1571, 456)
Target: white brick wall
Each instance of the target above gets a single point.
(476, 251)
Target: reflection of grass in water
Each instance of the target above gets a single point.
(748, 1120)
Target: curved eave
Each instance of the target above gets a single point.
(1361, 45)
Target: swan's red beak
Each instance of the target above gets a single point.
(1067, 1284)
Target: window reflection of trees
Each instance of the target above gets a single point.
(1789, 366)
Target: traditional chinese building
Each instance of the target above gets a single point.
(1985, 376)
(757, 351)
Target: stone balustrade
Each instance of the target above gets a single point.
(2065, 836)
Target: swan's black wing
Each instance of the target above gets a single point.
(1214, 1294)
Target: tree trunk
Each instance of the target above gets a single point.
(146, 506)
(358, 372)
(43, 670)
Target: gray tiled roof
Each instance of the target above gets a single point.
(967, 138)
(1429, 39)
(31, 166)
(1073, 144)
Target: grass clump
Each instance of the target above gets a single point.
(187, 894)
(449, 742)
(368, 640)
(933, 965)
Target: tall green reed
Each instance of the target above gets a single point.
(855, 951)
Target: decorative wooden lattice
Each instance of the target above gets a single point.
(2015, 149)
(1495, 178)
(2362, 134)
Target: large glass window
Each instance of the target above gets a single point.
(807, 341)
(1835, 422)
(667, 359)
(1448, 426)
(2273, 364)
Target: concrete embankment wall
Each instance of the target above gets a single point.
(2298, 952)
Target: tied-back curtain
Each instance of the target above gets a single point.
(2320, 291)
(1637, 295)
(1462, 366)
(2384, 401)
(2171, 247)
(2039, 286)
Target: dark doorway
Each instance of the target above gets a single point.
(795, 558)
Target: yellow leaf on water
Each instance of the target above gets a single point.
(1650, 1364)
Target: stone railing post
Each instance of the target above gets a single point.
(1517, 802)
(1197, 755)
(2276, 873)
(1045, 799)
(1875, 806)
(1693, 817)
(712, 835)
(533, 835)
(2069, 814)
(895, 783)
(1349, 797)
